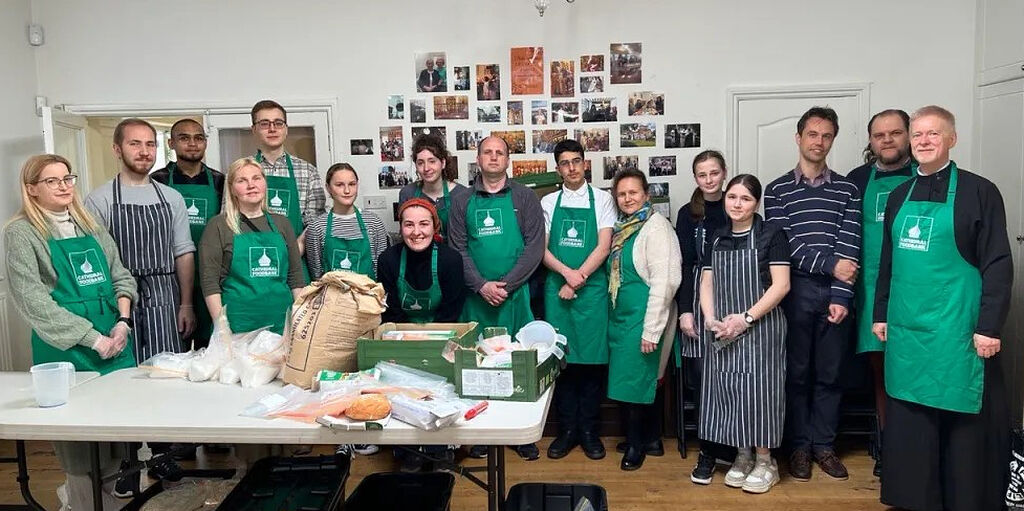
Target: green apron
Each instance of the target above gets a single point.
(283, 199)
(632, 374)
(202, 204)
(350, 255)
(441, 206)
(419, 306)
(256, 291)
(494, 243)
(584, 320)
(934, 300)
(876, 194)
(83, 288)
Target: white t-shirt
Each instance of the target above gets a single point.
(604, 207)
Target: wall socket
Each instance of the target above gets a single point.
(375, 202)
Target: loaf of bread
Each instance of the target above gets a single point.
(369, 407)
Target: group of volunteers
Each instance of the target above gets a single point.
(908, 255)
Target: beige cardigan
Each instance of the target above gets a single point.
(658, 261)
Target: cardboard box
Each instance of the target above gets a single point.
(422, 355)
(524, 381)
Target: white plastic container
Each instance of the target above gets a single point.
(536, 332)
(51, 382)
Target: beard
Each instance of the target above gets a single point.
(189, 158)
(901, 154)
(137, 167)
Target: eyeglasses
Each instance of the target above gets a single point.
(575, 162)
(266, 124)
(184, 138)
(54, 182)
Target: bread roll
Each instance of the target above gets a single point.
(369, 407)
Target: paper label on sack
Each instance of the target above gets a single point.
(476, 382)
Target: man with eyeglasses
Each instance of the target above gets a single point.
(203, 191)
(578, 221)
(294, 187)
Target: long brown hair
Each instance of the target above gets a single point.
(697, 199)
(30, 208)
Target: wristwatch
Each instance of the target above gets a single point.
(748, 318)
(126, 320)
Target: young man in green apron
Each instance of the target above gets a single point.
(579, 221)
(498, 227)
(889, 167)
(203, 191)
(944, 286)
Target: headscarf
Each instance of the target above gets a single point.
(624, 229)
(420, 202)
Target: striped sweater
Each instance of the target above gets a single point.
(822, 223)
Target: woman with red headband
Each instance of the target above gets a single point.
(422, 276)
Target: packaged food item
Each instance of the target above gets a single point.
(169, 365)
(369, 407)
(418, 335)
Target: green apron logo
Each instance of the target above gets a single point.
(411, 303)
(573, 233)
(86, 266)
(488, 222)
(916, 233)
(279, 201)
(344, 259)
(196, 211)
(264, 262)
(880, 200)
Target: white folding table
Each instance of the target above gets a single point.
(127, 406)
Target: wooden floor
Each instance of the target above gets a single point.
(662, 484)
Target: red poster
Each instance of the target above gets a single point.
(527, 70)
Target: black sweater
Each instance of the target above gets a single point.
(980, 231)
(686, 230)
(417, 274)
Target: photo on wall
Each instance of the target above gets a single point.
(472, 170)
(591, 63)
(451, 107)
(461, 74)
(625, 63)
(593, 139)
(466, 140)
(544, 141)
(514, 112)
(658, 166)
(598, 110)
(565, 111)
(396, 107)
(417, 110)
(488, 113)
(657, 190)
(527, 70)
(394, 175)
(637, 134)
(588, 171)
(524, 167)
(516, 140)
(539, 111)
(431, 74)
(682, 135)
(440, 132)
(646, 103)
(361, 146)
(392, 144)
(563, 79)
(615, 164)
(394, 210)
(591, 84)
(488, 82)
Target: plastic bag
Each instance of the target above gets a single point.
(261, 359)
(229, 373)
(169, 365)
(216, 354)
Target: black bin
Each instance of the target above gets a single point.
(554, 497)
(428, 491)
(313, 483)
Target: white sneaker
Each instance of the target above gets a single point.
(366, 449)
(741, 467)
(62, 496)
(763, 477)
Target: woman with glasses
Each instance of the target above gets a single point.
(67, 281)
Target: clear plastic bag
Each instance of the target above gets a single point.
(170, 365)
(261, 359)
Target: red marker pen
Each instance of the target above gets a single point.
(476, 410)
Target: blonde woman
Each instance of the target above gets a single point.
(68, 282)
(250, 260)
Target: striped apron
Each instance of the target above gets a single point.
(743, 402)
(688, 346)
(145, 241)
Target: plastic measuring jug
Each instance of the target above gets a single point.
(51, 382)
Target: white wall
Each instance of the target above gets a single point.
(19, 135)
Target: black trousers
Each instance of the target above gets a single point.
(814, 356)
(938, 459)
(578, 396)
(693, 368)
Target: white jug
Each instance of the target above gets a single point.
(51, 382)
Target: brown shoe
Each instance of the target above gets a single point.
(800, 465)
(831, 465)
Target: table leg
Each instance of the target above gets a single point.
(96, 475)
(21, 459)
(501, 478)
(492, 476)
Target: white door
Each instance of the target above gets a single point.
(230, 137)
(1000, 157)
(64, 135)
(763, 124)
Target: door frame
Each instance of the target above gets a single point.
(736, 96)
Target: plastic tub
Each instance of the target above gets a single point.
(51, 382)
(428, 491)
(554, 497)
